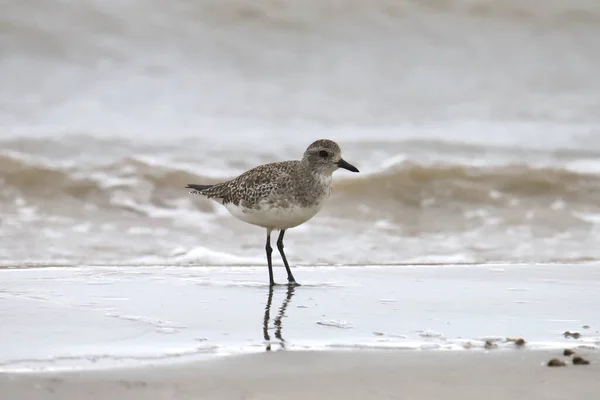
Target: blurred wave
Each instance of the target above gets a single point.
(150, 68)
(474, 123)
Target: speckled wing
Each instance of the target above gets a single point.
(249, 189)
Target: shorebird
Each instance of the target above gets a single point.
(280, 195)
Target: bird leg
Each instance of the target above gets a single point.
(269, 250)
(291, 280)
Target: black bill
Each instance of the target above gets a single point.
(346, 165)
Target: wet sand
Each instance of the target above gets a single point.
(347, 332)
(510, 374)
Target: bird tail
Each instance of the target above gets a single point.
(198, 188)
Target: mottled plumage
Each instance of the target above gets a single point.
(278, 183)
(280, 195)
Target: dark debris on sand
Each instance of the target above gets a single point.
(568, 352)
(555, 362)
(519, 342)
(578, 360)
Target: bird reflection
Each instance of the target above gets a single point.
(278, 320)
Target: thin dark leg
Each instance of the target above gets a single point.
(269, 262)
(291, 279)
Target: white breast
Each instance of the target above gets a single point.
(273, 217)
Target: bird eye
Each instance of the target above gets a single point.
(323, 154)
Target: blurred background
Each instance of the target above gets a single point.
(475, 124)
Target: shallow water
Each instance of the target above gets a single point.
(126, 315)
(474, 125)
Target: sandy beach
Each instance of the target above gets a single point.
(460, 260)
(492, 375)
(349, 332)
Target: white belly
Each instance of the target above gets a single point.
(272, 217)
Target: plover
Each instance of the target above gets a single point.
(280, 195)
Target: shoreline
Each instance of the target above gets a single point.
(99, 364)
(40, 264)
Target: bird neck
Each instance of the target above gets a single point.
(320, 171)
